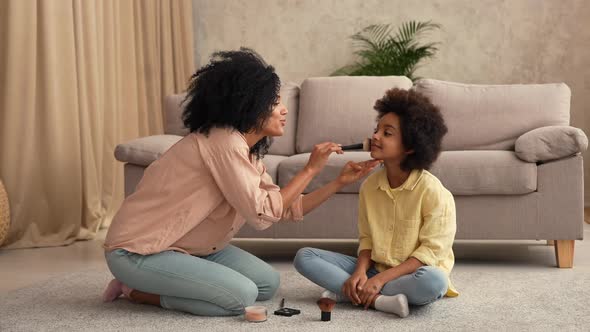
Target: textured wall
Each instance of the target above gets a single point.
(490, 42)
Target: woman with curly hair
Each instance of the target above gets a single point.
(406, 218)
(168, 245)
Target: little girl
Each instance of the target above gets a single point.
(406, 218)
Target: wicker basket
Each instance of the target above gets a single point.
(4, 214)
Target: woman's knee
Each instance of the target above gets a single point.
(265, 277)
(268, 285)
(432, 285)
(243, 294)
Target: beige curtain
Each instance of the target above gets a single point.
(78, 77)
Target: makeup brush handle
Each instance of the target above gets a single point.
(353, 147)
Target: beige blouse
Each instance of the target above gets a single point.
(197, 196)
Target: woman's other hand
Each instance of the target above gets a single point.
(352, 172)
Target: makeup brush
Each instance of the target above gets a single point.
(365, 146)
(326, 305)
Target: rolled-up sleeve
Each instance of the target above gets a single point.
(365, 240)
(437, 233)
(248, 191)
(293, 212)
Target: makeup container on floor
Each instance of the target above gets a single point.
(256, 314)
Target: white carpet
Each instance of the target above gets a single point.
(538, 300)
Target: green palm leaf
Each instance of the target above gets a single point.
(380, 53)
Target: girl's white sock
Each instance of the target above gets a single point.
(397, 304)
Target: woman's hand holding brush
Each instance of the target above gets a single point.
(320, 154)
(350, 173)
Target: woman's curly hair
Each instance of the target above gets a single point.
(238, 90)
(422, 126)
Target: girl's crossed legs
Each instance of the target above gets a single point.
(330, 270)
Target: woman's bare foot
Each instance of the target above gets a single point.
(113, 291)
(117, 288)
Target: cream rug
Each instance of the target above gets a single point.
(546, 299)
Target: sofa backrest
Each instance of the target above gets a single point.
(284, 145)
(340, 109)
(173, 108)
(492, 117)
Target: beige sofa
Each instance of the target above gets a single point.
(498, 195)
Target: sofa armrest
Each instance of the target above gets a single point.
(145, 150)
(549, 143)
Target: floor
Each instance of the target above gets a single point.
(23, 267)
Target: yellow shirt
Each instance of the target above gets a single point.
(416, 219)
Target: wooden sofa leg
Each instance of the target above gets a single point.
(564, 253)
(550, 242)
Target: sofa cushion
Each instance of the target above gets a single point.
(462, 172)
(340, 109)
(145, 150)
(485, 173)
(550, 143)
(294, 164)
(271, 162)
(492, 117)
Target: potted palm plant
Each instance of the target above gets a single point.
(382, 53)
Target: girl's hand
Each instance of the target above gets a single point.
(369, 292)
(352, 171)
(350, 287)
(319, 155)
